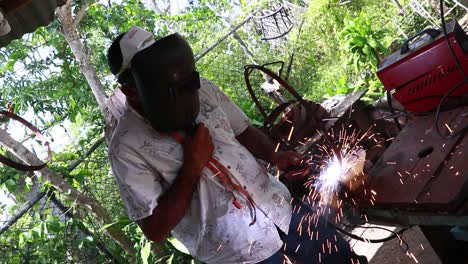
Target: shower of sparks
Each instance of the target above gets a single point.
(338, 179)
(335, 184)
(337, 171)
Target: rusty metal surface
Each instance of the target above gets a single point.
(338, 110)
(35, 14)
(410, 177)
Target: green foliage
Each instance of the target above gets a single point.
(47, 238)
(362, 42)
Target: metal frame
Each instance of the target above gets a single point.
(280, 15)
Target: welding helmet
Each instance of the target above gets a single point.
(165, 78)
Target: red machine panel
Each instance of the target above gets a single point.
(420, 73)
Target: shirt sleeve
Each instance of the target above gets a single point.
(237, 118)
(139, 186)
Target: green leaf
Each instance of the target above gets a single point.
(11, 185)
(179, 246)
(145, 252)
(122, 221)
(169, 261)
(21, 240)
(28, 181)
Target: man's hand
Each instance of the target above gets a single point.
(291, 163)
(198, 150)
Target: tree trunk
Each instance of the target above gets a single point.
(70, 32)
(81, 54)
(58, 182)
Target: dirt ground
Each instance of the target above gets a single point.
(390, 252)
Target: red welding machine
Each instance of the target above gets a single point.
(423, 71)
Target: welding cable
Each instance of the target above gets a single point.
(380, 240)
(454, 88)
(392, 116)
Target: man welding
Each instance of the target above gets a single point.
(184, 159)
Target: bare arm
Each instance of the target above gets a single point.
(166, 215)
(258, 143)
(173, 204)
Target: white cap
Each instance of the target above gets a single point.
(4, 27)
(135, 40)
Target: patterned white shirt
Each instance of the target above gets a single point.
(145, 164)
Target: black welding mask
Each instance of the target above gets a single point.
(165, 77)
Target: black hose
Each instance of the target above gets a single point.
(451, 90)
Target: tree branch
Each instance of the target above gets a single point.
(80, 14)
(57, 181)
(225, 36)
(82, 56)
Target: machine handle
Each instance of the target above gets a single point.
(430, 31)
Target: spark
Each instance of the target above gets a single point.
(391, 162)
(422, 247)
(290, 133)
(277, 147)
(250, 245)
(449, 129)
(298, 246)
(216, 174)
(219, 247)
(415, 260)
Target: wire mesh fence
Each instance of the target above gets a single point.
(46, 228)
(50, 229)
